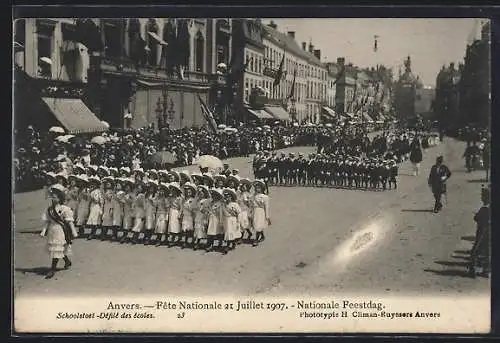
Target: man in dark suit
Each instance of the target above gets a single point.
(438, 176)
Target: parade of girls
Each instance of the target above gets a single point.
(156, 208)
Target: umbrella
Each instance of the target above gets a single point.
(328, 125)
(266, 127)
(105, 123)
(163, 157)
(56, 129)
(46, 60)
(99, 140)
(64, 138)
(209, 161)
(221, 126)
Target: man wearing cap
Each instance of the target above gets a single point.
(438, 176)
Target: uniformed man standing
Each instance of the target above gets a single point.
(438, 176)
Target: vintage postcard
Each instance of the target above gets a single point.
(289, 175)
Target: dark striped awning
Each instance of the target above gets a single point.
(278, 112)
(260, 114)
(74, 115)
(329, 112)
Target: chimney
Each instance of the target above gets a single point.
(341, 61)
(304, 46)
(291, 34)
(317, 53)
(273, 25)
(311, 48)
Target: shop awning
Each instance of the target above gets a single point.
(260, 114)
(278, 112)
(330, 112)
(74, 115)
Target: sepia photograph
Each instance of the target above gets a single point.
(251, 175)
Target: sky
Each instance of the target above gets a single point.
(430, 43)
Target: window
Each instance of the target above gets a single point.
(45, 38)
(199, 47)
(260, 65)
(251, 63)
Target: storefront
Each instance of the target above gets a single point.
(176, 104)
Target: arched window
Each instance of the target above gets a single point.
(199, 47)
(152, 44)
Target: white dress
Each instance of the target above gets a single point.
(128, 214)
(162, 209)
(188, 214)
(201, 218)
(57, 245)
(107, 215)
(214, 219)
(260, 212)
(95, 213)
(117, 202)
(139, 212)
(231, 224)
(174, 224)
(245, 204)
(150, 212)
(83, 209)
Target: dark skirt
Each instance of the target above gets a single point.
(416, 156)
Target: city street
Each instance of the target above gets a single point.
(321, 241)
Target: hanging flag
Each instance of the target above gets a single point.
(339, 75)
(279, 73)
(375, 44)
(207, 114)
(292, 90)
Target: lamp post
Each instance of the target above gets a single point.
(159, 113)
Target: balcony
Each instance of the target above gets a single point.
(125, 67)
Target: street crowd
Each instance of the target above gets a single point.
(39, 152)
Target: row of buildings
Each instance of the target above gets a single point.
(463, 92)
(142, 71)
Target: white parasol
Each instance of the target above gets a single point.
(46, 60)
(56, 129)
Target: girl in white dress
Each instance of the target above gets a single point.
(151, 195)
(96, 203)
(83, 209)
(73, 191)
(162, 208)
(117, 203)
(107, 215)
(175, 210)
(201, 215)
(215, 229)
(231, 212)
(261, 215)
(139, 210)
(128, 214)
(59, 229)
(187, 215)
(245, 202)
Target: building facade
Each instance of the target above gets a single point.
(132, 72)
(301, 63)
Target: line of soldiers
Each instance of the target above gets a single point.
(322, 170)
